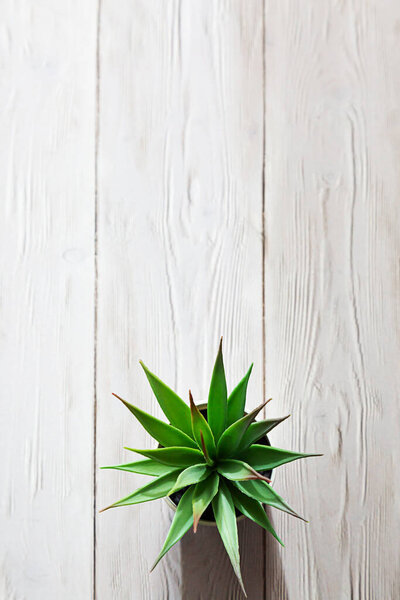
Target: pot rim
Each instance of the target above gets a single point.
(204, 522)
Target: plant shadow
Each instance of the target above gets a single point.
(275, 584)
(207, 573)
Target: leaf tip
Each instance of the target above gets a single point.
(192, 405)
(119, 398)
(242, 586)
(154, 565)
(196, 520)
(300, 517)
(249, 370)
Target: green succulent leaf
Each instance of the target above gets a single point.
(237, 470)
(263, 492)
(173, 455)
(217, 398)
(189, 476)
(145, 467)
(181, 522)
(218, 460)
(174, 408)
(237, 399)
(158, 488)
(231, 438)
(257, 430)
(266, 457)
(225, 518)
(165, 434)
(202, 432)
(204, 492)
(253, 510)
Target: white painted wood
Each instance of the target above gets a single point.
(46, 298)
(180, 251)
(180, 246)
(332, 290)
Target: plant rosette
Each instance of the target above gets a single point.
(213, 460)
(207, 518)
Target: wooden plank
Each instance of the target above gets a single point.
(332, 284)
(180, 247)
(46, 342)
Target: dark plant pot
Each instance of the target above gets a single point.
(208, 515)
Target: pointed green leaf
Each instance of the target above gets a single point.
(225, 518)
(201, 427)
(217, 398)
(181, 522)
(204, 492)
(253, 510)
(262, 457)
(237, 399)
(189, 476)
(208, 460)
(174, 408)
(173, 455)
(145, 467)
(262, 491)
(231, 438)
(158, 488)
(257, 430)
(165, 434)
(236, 470)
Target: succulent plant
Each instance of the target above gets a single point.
(219, 461)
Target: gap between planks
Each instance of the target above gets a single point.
(264, 366)
(96, 288)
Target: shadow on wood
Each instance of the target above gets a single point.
(275, 584)
(207, 572)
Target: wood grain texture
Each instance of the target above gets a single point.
(145, 223)
(180, 258)
(47, 75)
(332, 289)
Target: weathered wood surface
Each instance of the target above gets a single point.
(217, 161)
(332, 290)
(180, 257)
(47, 118)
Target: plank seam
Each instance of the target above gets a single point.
(96, 287)
(264, 545)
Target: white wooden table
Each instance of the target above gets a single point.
(172, 171)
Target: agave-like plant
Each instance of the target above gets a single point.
(218, 461)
